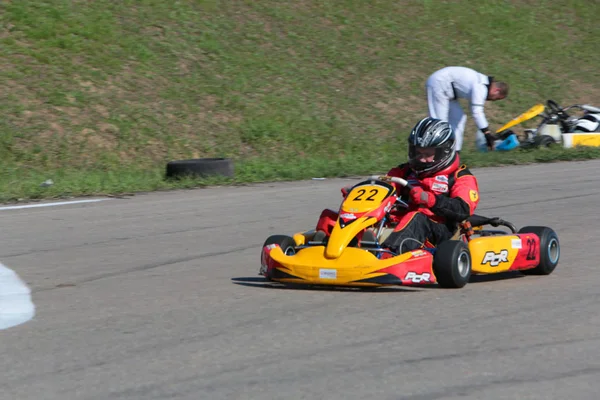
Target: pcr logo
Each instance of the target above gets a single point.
(494, 259)
(417, 278)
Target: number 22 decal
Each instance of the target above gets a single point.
(361, 192)
(531, 249)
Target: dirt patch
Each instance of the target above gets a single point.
(102, 110)
(108, 128)
(98, 141)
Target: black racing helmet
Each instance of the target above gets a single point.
(432, 133)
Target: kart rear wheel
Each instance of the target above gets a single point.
(452, 264)
(549, 250)
(544, 141)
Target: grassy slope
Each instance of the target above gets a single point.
(99, 95)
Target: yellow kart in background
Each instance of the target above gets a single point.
(557, 126)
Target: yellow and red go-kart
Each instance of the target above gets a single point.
(352, 254)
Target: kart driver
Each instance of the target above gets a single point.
(445, 86)
(444, 192)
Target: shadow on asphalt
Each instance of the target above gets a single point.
(261, 282)
(502, 276)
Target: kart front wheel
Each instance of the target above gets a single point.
(549, 250)
(287, 243)
(452, 264)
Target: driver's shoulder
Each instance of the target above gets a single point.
(463, 170)
(462, 176)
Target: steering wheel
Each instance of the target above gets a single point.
(556, 109)
(397, 180)
(553, 106)
(394, 179)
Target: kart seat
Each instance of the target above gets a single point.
(476, 221)
(479, 220)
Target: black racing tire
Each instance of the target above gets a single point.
(549, 250)
(201, 167)
(452, 264)
(287, 243)
(544, 141)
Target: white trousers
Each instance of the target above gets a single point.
(443, 107)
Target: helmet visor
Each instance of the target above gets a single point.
(423, 159)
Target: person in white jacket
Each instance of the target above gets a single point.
(445, 86)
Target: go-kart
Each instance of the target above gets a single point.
(555, 124)
(352, 255)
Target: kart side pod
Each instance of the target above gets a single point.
(534, 249)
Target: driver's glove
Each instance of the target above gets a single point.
(489, 138)
(422, 197)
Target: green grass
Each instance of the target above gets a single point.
(101, 95)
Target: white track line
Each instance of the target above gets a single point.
(16, 306)
(62, 203)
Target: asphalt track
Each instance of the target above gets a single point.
(157, 296)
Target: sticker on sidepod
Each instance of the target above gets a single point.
(516, 243)
(417, 278)
(348, 216)
(495, 259)
(327, 273)
(418, 253)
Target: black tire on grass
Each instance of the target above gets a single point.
(200, 167)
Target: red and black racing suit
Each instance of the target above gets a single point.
(456, 195)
